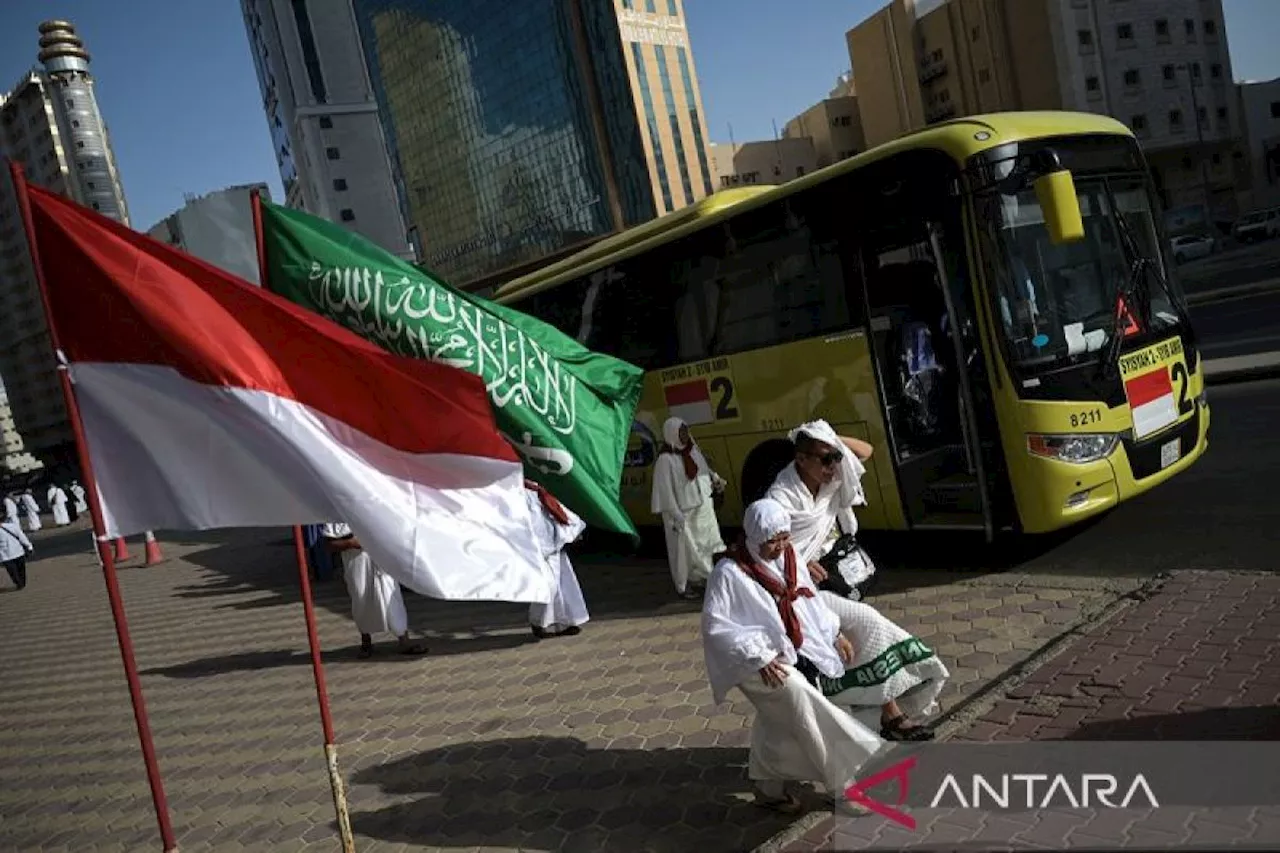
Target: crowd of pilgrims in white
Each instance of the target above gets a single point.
(833, 681)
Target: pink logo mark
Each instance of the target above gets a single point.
(857, 792)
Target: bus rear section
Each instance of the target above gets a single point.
(1104, 386)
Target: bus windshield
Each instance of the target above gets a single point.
(1057, 303)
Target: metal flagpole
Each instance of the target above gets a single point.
(105, 554)
(309, 612)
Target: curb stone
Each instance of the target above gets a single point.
(955, 719)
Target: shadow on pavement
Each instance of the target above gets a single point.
(385, 652)
(1250, 723)
(558, 794)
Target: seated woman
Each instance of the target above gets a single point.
(762, 628)
(891, 669)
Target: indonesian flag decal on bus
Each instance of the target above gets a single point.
(1151, 400)
(690, 401)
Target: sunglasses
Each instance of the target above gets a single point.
(827, 459)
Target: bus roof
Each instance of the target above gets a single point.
(959, 138)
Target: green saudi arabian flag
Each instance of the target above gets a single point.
(567, 410)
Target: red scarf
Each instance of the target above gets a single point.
(783, 595)
(553, 507)
(686, 456)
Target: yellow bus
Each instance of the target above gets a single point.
(987, 301)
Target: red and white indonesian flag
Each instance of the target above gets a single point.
(1151, 401)
(208, 402)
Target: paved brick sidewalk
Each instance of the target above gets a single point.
(1199, 659)
(604, 741)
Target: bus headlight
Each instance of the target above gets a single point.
(1073, 448)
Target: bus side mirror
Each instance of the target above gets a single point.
(1056, 193)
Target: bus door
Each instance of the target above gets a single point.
(925, 358)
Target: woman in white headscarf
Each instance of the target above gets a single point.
(763, 629)
(892, 671)
(683, 486)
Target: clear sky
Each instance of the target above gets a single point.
(185, 114)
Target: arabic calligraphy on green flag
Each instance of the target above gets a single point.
(567, 410)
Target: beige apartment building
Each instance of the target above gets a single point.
(50, 123)
(1161, 66)
(772, 161)
(834, 124)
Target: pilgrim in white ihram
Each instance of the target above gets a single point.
(892, 671)
(683, 485)
(10, 509)
(556, 526)
(377, 605)
(31, 510)
(59, 504)
(761, 619)
(82, 504)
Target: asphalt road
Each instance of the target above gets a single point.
(1222, 513)
(1235, 266)
(1238, 326)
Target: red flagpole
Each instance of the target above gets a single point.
(309, 610)
(125, 642)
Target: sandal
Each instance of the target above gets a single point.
(413, 649)
(365, 652)
(898, 730)
(786, 804)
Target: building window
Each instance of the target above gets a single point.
(1138, 123)
(686, 79)
(71, 105)
(1092, 84)
(1202, 113)
(975, 34)
(79, 144)
(1222, 115)
(1195, 72)
(91, 185)
(677, 138)
(1085, 39)
(332, 153)
(1175, 120)
(1275, 109)
(1132, 78)
(340, 184)
(347, 214)
(326, 123)
(1210, 29)
(1189, 27)
(310, 56)
(1170, 75)
(799, 171)
(651, 121)
(1162, 30)
(672, 9)
(651, 7)
(1124, 33)
(96, 206)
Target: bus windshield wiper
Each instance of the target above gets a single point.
(1140, 267)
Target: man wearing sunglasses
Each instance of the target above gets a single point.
(891, 671)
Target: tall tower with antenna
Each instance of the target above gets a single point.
(95, 179)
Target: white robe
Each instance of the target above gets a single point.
(567, 607)
(815, 519)
(798, 734)
(10, 510)
(31, 510)
(688, 512)
(50, 496)
(82, 505)
(889, 663)
(60, 515)
(377, 605)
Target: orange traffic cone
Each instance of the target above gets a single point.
(122, 549)
(153, 550)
